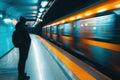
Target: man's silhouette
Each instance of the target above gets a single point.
(24, 45)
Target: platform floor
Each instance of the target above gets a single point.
(43, 64)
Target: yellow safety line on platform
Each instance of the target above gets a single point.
(77, 70)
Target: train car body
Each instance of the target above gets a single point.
(54, 33)
(66, 37)
(96, 38)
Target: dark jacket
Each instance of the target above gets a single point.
(23, 34)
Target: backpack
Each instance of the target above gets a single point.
(15, 39)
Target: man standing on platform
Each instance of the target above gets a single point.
(23, 41)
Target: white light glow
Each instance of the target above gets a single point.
(1, 16)
(41, 9)
(7, 20)
(44, 3)
(86, 24)
(94, 28)
(39, 14)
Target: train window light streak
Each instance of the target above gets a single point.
(57, 23)
(63, 21)
(88, 14)
(79, 17)
(102, 10)
(72, 18)
(44, 3)
(117, 6)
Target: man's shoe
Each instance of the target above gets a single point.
(26, 77)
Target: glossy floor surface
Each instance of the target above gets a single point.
(40, 64)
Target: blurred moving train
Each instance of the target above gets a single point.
(96, 38)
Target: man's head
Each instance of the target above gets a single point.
(22, 19)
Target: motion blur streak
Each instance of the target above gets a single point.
(110, 46)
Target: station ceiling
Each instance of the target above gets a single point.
(30, 8)
(62, 8)
(15, 8)
(26, 8)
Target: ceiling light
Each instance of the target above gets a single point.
(44, 3)
(7, 20)
(41, 9)
(39, 14)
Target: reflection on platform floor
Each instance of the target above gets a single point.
(40, 65)
(8, 66)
